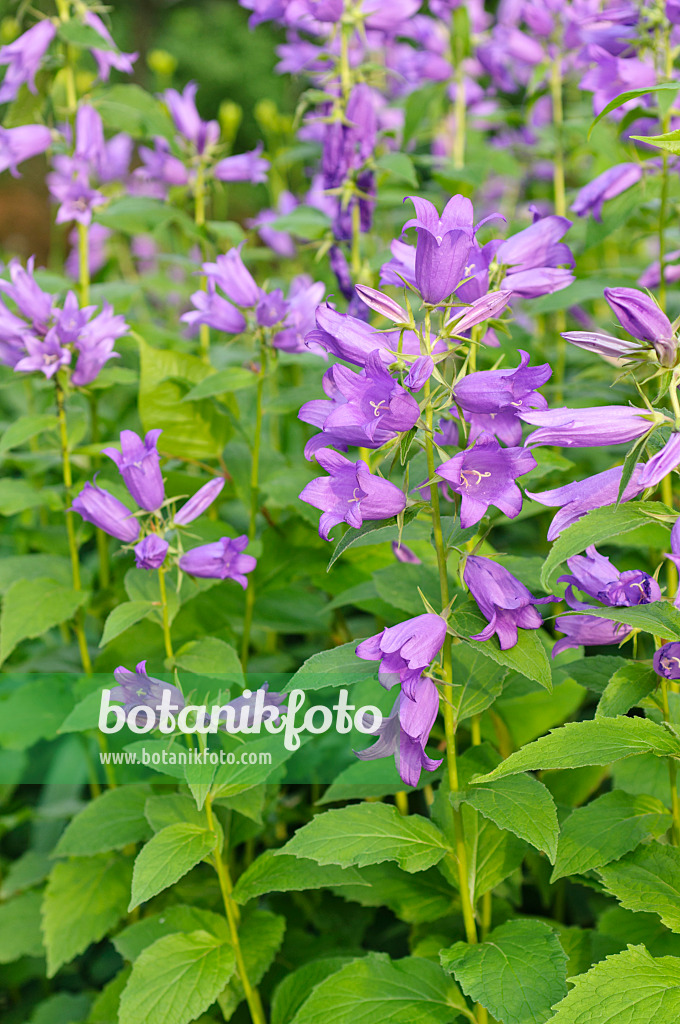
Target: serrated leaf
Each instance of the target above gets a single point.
(271, 873)
(518, 973)
(519, 804)
(167, 857)
(627, 687)
(369, 834)
(599, 741)
(210, 656)
(291, 993)
(606, 829)
(337, 667)
(375, 989)
(134, 939)
(31, 607)
(648, 880)
(659, 618)
(528, 656)
(483, 681)
(260, 936)
(123, 617)
(668, 141)
(85, 897)
(110, 822)
(373, 532)
(20, 927)
(628, 988)
(176, 979)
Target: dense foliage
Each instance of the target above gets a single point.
(368, 404)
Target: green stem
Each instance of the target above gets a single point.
(663, 206)
(558, 123)
(447, 689)
(345, 69)
(70, 529)
(254, 500)
(460, 117)
(232, 913)
(84, 263)
(672, 771)
(199, 219)
(167, 638)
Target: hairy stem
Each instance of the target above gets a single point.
(199, 219)
(254, 500)
(663, 206)
(167, 638)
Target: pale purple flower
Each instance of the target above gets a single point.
(138, 463)
(404, 733)
(182, 106)
(271, 308)
(46, 356)
(31, 301)
(199, 502)
(401, 267)
(150, 553)
(404, 554)
(382, 304)
(161, 165)
(535, 259)
(661, 464)
(351, 494)
(596, 426)
(22, 143)
(23, 58)
(588, 631)
(212, 309)
(250, 167)
(138, 689)
(419, 373)
(69, 185)
(354, 340)
(100, 508)
(576, 499)
(405, 650)
(487, 307)
(502, 599)
(607, 185)
(642, 317)
(604, 344)
(280, 242)
(110, 58)
(509, 390)
(230, 273)
(221, 560)
(485, 475)
(363, 409)
(94, 344)
(304, 295)
(674, 555)
(272, 705)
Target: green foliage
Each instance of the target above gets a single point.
(167, 857)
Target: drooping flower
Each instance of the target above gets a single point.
(182, 106)
(494, 398)
(604, 344)
(217, 312)
(150, 553)
(587, 631)
(661, 464)
(535, 259)
(642, 317)
(443, 245)
(502, 599)
(250, 167)
(595, 575)
(22, 143)
(607, 185)
(667, 660)
(405, 650)
(404, 733)
(576, 499)
(674, 555)
(230, 273)
(353, 340)
(363, 409)
(351, 494)
(404, 554)
(99, 507)
(111, 57)
(598, 425)
(485, 475)
(271, 706)
(221, 560)
(139, 689)
(23, 58)
(199, 502)
(138, 463)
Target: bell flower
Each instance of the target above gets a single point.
(138, 463)
(485, 475)
(405, 650)
(502, 599)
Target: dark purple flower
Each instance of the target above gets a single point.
(599, 425)
(582, 496)
(405, 650)
(502, 599)
(661, 464)
(588, 631)
(351, 494)
(137, 689)
(182, 107)
(607, 185)
(595, 575)
(667, 660)
(419, 373)
(46, 356)
(23, 58)
(230, 273)
(100, 508)
(150, 553)
(404, 733)
(443, 245)
(199, 502)
(138, 463)
(109, 58)
(485, 475)
(364, 409)
(250, 167)
(22, 143)
(221, 560)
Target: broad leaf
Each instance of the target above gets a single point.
(167, 857)
(122, 617)
(110, 822)
(20, 927)
(272, 873)
(260, 935)
(337, 667)
(626, 688)
(520, 804)
(648, 880)
(31, 607)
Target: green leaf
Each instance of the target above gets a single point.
(631, 94)
(34, 711)
(135, 215)
(134, 939)
(398, 165)
(369, 834)
(595, 527)
(648, 880)
(260, 935)
(25, 872)
(483, 681)
(376, 989)
(599, 741)
(110, 822)
(23, 429)
(528, 656)
(85, 715)
(337, 667)
(76, 33)
(167, 857)
(424, 896)
(518, 973)
(271, 873)
(210, 656)
(129, 108)
(20, 927)
(105, 1007)
(669, 141)
(607, 828)
(304, 221)
(628, 988)
(122, 617)
(659, 618)
(234, 378)
(17, 495)
(519, 804)
(61, 1008)
(85, 897)
(377, 531)
(291, 993)
(626, 688)
(176, 979)
(31, 607)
